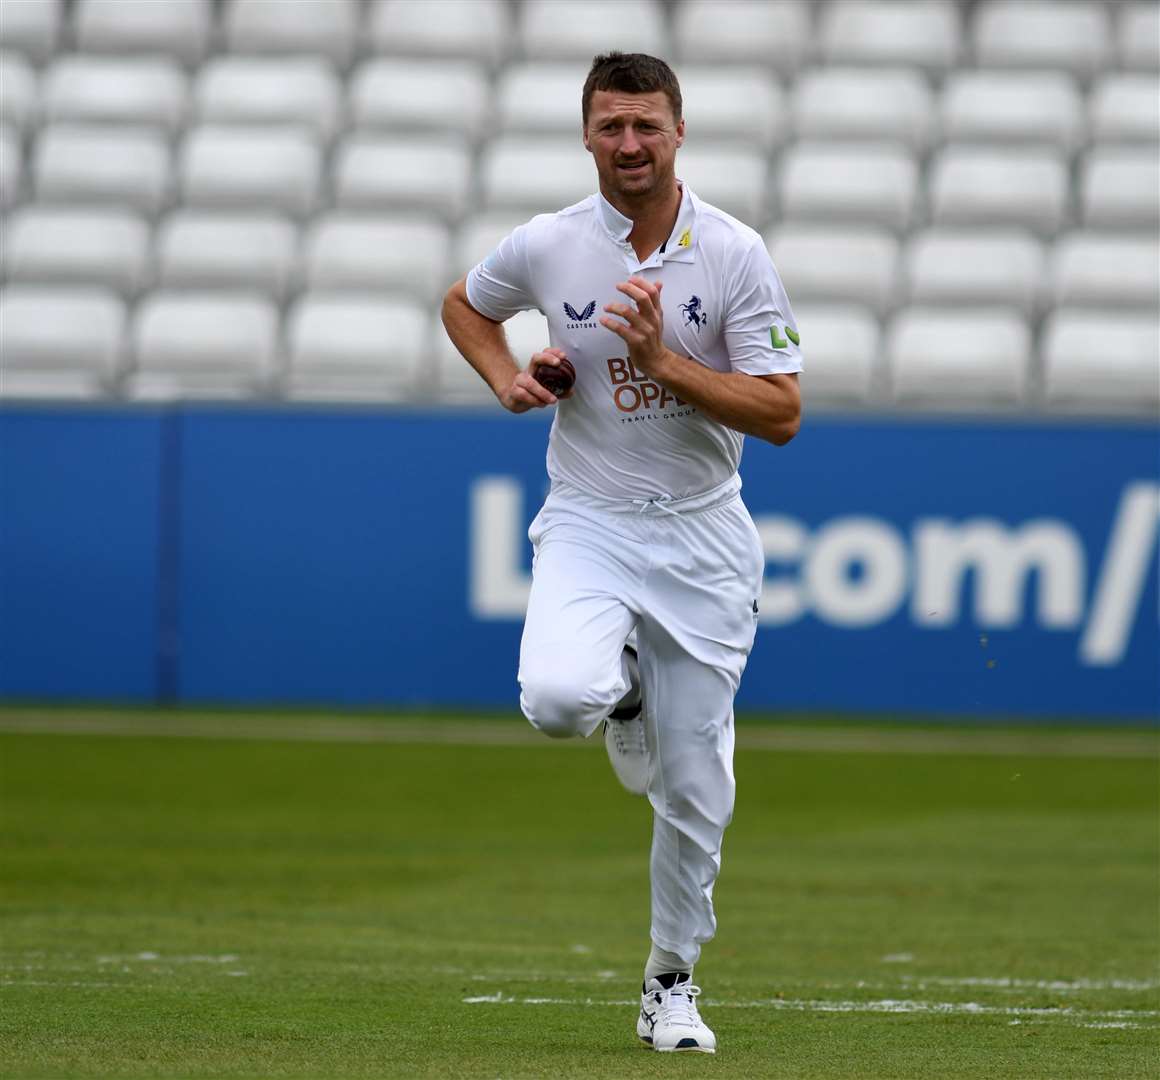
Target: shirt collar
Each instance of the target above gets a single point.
(681, 244)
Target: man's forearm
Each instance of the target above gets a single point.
(766, 407)
(481, 341)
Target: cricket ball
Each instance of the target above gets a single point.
(557, 380)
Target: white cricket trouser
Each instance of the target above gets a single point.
(685, 575)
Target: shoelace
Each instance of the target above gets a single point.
(628, 735)
(679, 1005)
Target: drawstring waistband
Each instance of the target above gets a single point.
(661, 502)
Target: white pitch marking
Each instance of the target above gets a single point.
(898, 958)
(920, 982)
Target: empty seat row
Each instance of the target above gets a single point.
(351, 345)
(1076, 35)
(721, 102)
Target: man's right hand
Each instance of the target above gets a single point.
(524, 393)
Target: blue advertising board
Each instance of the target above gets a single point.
(369, 557)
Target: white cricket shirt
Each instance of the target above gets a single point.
(621, 435)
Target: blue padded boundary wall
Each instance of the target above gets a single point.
(364, 557)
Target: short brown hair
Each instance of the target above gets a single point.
(630, 73)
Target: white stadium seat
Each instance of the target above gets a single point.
(179, 28)
(739, 103)
(541, 98)
(203, 345)
(60, 342)
(63, 246)
(1126, 109)
(829, 182)
(465, 29)
(995, 186)
(535, 175)
(740, 31)
(99, 89)
(919, 33)
(267, 168)
(856, 265)
(842, 344)
(18, 99)
(458, 383)
(274, 26)
(373, 254)
(579, 29)
(1120, 187)
(841, 103)
(478, 237)
(231, 252)
(31, 28)
(732, 178)
(1138, 36)
(11, 163)
(1106, 270)
(403, 172)
(949, 358)
(102, 164)
(269, 90)
(1038, 107)
(356, 345)
(1100, 357)
(1072, 35)
(424, 95)
(977, 266)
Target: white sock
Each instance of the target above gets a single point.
(661, 961)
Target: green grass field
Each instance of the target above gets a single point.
(382, 898)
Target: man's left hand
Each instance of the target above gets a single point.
(643, 324)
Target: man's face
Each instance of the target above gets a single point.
(634, 139)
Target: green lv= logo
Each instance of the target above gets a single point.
(779, 342)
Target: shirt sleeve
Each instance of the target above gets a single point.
(761, 333)
(501, 285)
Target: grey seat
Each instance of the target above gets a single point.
(31, 28)
(1106, 270)
(1126, 109)
(1013, 107)
(421, 95)
(18, 92)
(579, 29)
(915, 33)
(295, 90)
(102, 164)
(1068, 35)
(851, 265)
(141, 91)
(1138, 35)
(742, 32)
(177, 28)
(961, 267)
(479, 30)
(1001, 187)
(859, 103)
(1095, 359)
(401, 172)
(1120, 188)
(874, 184)
(842, 344)
(266, 27)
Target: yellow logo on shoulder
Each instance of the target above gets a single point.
(686, 238)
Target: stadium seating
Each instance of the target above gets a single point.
(11, 162)
(404, 172)
(842, 103)
(869, 183)
(1069, 35)
(271, 26)
(102, 164)
(269, 91)
(710, 96)
(479, 236)
(857, 265)
(400, 255)
(60, 342)
(985, 185)
(947, 358)
(479, 30)
(202, 344)
(457, 382)
(177, 28)
(730, 177)
(1126, 109)
(919, 33)
(1106, 270)
(17, 91)
(249, 167)
(1103, 358)
(97, 89)
(1138, 41)
(423, 95)
(355, 346)
(841, 345)
(1121, 187)
(540, 98)
(207, 250)
(534, 175)
(62, 246)
(31, 28)
(740, 31)
(979, 267)
(578, 29)
(1027, 108)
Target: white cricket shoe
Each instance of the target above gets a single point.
(669, 1020)
(624, 739)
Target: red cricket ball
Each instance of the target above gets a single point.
(557, 380)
